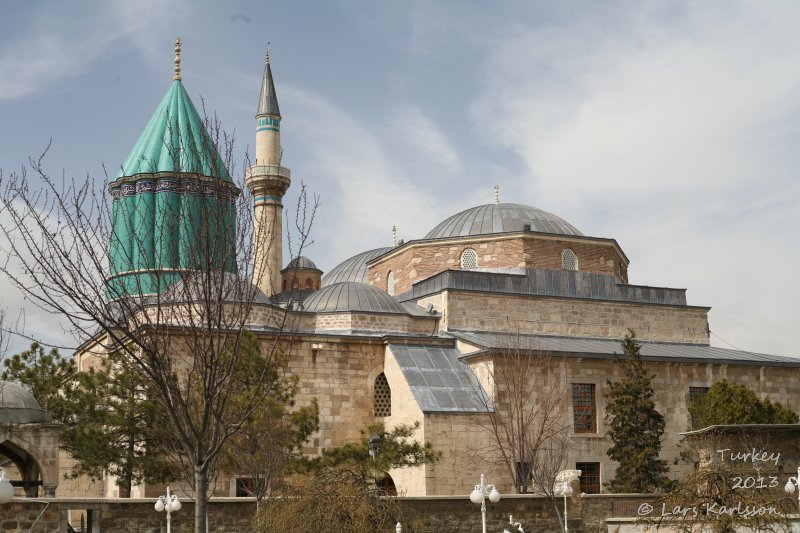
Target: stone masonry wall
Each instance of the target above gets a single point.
(421, 260)
(671, 384)
(341, 376)
(468, 311)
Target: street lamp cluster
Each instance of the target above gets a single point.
(479, 495)
(169, 503)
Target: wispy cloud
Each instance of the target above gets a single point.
(53, 49)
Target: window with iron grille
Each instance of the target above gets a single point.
(584, 409)
(245, 487)
(696, 392)
(590, 477)
(569, 261)
(383, 396)
(390, 282)
(469, 259)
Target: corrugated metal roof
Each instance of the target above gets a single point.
(439, 381)
(500, 218)
(543, 282)
(175, 140)
(601, 348)
(353, 269)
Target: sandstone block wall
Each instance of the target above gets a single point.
(470, 311)
(341, 376)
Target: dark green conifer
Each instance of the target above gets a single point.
(635, 426)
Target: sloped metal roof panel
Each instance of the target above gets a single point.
(602, 348)
(439, 381)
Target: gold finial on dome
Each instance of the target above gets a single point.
(394, 236)
(267, 59)
(497, 194)
(177, 75)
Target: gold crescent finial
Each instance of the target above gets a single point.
(177, 59)
(496, 194)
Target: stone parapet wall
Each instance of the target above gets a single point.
(468, 311)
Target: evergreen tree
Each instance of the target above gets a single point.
(731, 403)
(110, 425)
(635, 426)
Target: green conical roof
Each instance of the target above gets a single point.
(175, 140)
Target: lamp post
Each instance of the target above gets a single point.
(792, 484)
(169, 503)
(566, 492)
(563, 487)
(374, 446)
(479, 495)
(6, 488)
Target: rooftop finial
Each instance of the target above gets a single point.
(267, 59)
(177, 59)
(394, 235)
(497, 194)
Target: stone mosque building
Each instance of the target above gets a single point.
(403, 334)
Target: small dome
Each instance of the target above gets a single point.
(18, 406)
(353, 269)
(500, 218)
(300, 263)
(352, 296)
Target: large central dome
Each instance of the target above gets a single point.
(501, 218)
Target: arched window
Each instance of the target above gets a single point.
(390, 283)
(385, 485)
(469, 259)
(569, 261)
(309, 284)
(382, 396)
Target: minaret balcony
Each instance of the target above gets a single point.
(257, 171)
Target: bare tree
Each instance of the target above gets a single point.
(175, 312)
(527, 415)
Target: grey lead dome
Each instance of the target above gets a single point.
(18, 406)
(352, 296)
(352, 269)
(501, 218)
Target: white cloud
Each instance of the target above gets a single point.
(367, 189)
(677, 136)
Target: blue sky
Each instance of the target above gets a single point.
(672, 127)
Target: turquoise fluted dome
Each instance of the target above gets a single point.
(173, 204)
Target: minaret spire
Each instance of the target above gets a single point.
(268, 99)
(268, 181)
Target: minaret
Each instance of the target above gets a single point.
(268, 182)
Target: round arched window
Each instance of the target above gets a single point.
(469, 259)
(569, 261)
(390, 282)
